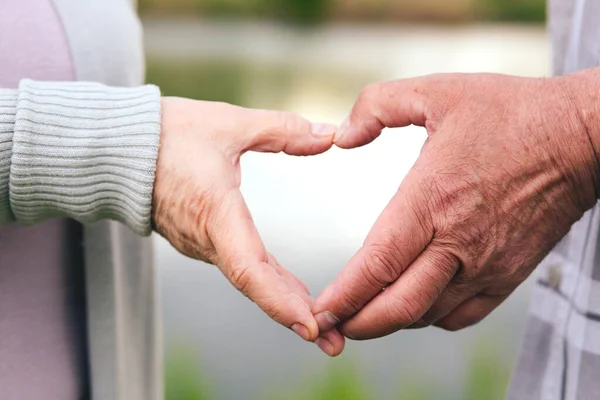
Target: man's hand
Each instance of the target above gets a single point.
(199, 208)
(508, 167)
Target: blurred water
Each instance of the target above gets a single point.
(313, 213)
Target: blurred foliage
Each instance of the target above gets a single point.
(314, 11)
(245, 83)
(301, 11)
(224, 81)
(486, 378)
(339, 381)
(183, 380)
(513, 10)
(211, 81)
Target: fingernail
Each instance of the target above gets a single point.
(301, 331)
(325, 345)
(343, 129)
(323, 129)
(326, 321)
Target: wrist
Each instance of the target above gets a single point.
(578, 95)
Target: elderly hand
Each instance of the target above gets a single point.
(508, 167)
(199, 208)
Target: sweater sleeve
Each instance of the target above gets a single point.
(80, 150)
(8, 109)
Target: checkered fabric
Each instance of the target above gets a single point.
(560, 356)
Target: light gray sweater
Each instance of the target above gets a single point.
(79, 150)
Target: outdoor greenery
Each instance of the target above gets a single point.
(514, 10)
(304, 11)
(210, 81)
(314, 11)
(233, 81)
(486, 378)
(182, 378)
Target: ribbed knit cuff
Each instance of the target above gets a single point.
(85, 151)
(8, 109)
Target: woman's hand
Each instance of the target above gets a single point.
(199, 208)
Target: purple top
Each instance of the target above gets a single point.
(32, 43)
(42, 337)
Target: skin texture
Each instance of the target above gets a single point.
(199, 208)
(509, 165)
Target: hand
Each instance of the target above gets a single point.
(199, 208)
(508, 167)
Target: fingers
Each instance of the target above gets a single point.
(406, 300)
(453, 296)
(279, 131)
(389, 104)
(241, 256)
(470, 312)
(331, 342)
(400, 234)
(258, 275)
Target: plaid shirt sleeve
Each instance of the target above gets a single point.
(560, 356)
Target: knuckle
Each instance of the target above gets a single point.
(445, 263)
(381, 265)
(272, 308)
(433, 278)
(241, 278)
(291, 123)
(444, 90)
(402, 311)
(348, 302)
(368, 95)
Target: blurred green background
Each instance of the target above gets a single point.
(486, 378)
(313, 57)
(310, 11)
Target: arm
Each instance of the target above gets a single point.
(91, 152)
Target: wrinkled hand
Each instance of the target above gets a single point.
(508, 167)
(199, 208)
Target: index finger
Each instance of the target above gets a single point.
(406, 300)
(393, 104)
(243, 259)
(400, 234)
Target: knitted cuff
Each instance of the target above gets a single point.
(8, 107)
(85, 151)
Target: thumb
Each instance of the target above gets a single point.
(281, 131)
(392, 104)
